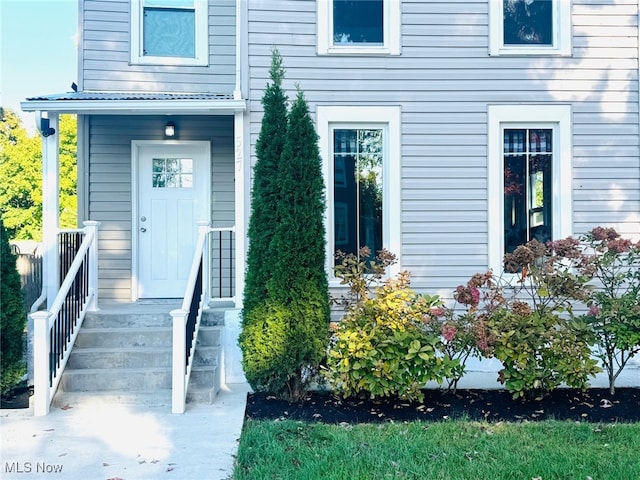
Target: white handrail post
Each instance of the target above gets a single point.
(41, 352)
(178, 388)
(204, 228)
(91, 227)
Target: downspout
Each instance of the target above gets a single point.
(237, 92)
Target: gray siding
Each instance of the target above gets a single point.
(105, 53)
(110, 194)
(444, 80)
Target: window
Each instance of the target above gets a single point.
(530, 27)
(360, 147)
(529, 176)
(169, 32)
(357, 188)
(358, 27)
(527, 160)
(172, 173)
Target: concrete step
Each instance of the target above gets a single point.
(124, 337)
(119, 357)
(156, 398)
(120, 320)
(116, 379)
(125, 357)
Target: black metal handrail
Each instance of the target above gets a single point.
(223, 257)
(67, 317)
(192, 316)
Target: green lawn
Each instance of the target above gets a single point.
(448, 450)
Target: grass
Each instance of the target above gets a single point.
(448, 450)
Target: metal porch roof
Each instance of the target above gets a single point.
(135, 103)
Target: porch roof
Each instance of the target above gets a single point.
(135, 103)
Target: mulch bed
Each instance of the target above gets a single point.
(17, 398)
(595, 405)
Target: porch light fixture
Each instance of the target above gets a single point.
(45, 128)
(170, 129)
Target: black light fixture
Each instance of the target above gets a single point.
(45, 128)
(170, 129)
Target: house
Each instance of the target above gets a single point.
(477, 124)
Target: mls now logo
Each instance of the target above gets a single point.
(31, 467)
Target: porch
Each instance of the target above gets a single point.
(151, 351)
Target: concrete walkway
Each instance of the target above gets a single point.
(124, 442)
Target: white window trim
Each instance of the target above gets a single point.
(510, 116)
(391, 30)
(201, 33)
(561, 33)
(329, 117)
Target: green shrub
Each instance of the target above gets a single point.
(614, 306)
(540, 351)
(381, 347)
(529, 323)
(12, 318)
(283, 344)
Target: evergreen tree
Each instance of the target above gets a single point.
(12, 317)
(266, 191)
(299, 279)
(286, 311)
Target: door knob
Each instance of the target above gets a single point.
(143, 229)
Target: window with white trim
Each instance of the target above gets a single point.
(530, 27)
(360, 148)
(169, 32)
(358, 27)
(529, 176)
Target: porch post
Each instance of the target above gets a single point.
(41, 365)
(92, 227)
(50, 211)
(243, 203)
(204, 228)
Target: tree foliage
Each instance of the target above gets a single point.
(21, 161)
(12, 317)
(286, 310)
(266, 192)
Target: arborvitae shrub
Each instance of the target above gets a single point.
(286, 311)
(12, 318)
(266, 191)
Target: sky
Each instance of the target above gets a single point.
(37, 50)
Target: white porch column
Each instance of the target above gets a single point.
(50, 211)
(242, 201)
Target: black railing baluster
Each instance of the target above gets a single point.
(66, 320)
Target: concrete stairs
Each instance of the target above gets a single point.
(123, 356)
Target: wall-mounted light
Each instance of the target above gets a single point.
(170, 129)
(45, 128)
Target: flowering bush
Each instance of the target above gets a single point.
(381, 347)
(463, 332)
(614, 305)
(527, 321)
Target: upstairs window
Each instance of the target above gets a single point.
(530, 27)
(169, 32)
(358, 22)
(358, 27)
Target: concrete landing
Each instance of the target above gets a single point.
(127, 442)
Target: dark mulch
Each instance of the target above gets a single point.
(17, 398)
(595, 405)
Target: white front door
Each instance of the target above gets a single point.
(172, 182)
